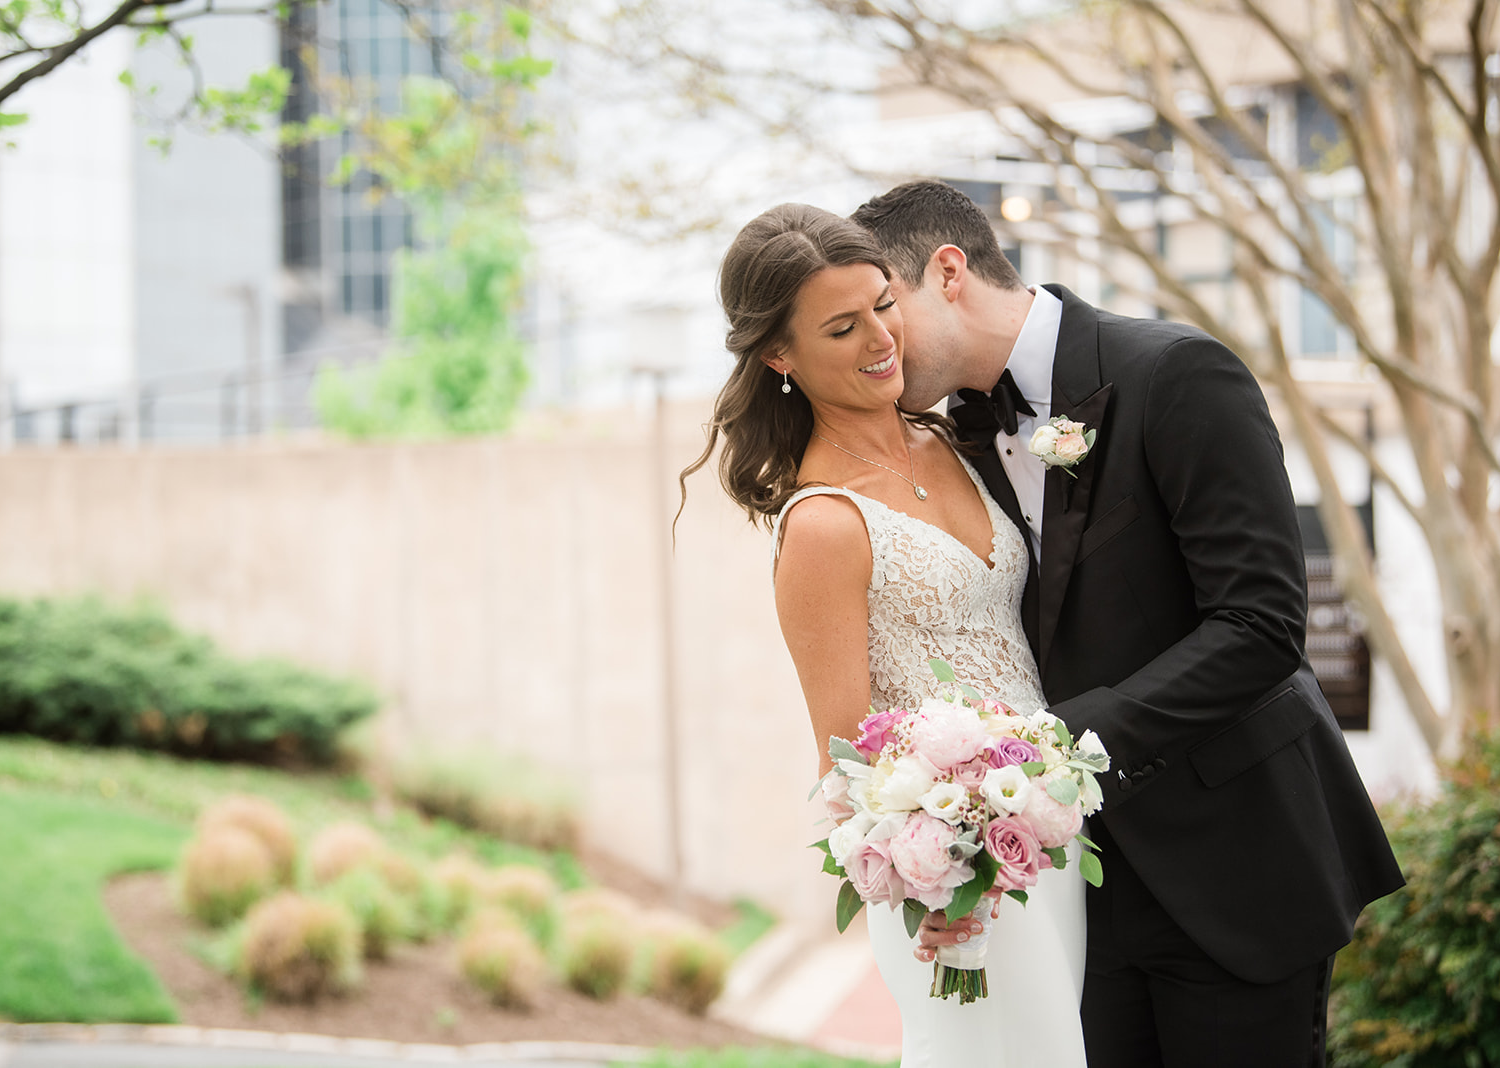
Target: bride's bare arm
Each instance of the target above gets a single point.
(822, 577)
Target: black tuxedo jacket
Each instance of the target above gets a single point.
(1168, 615)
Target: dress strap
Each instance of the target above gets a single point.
(802, 495)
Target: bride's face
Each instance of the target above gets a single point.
(845, 339)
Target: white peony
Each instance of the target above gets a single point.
(1007, 789)
(945, 801)
(1044, 439)
(901, 788)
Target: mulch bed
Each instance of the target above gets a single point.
(417, 996)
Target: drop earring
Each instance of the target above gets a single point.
(786, 386)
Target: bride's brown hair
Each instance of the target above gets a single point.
(765, 430)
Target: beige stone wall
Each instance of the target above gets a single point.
(504, 592)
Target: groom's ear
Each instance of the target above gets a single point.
(948, 269)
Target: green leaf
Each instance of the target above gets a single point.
(1019, 895)
(942, 670)
(986, 868)
(1088, 437)
(127, 79)
(843, 749)
(1088, 843)
(913, 913)
(519, 22)
(1093, 871)
(965, 898)
(833, 867)
(1060, 729)
(1063, 791)
(969, 692)
(1059, 857)
(13, 119)
(849, 905)
(1033, 768)
(823, 845)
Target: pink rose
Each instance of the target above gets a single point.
(1020, 856)
(836, 797)
(948, 735)
(1070, 448)
(874, 877)
(1014, 751)
(1054, 824)
(920, 853)
(994, 707)
(877, 731)
(970, 775)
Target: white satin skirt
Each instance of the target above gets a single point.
(1034, 968)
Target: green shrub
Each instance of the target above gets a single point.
(295, 948)
(502, 960)
(224, 870)
(80, 671)
(688, 965)
(1419, 987)
(597, 942)
(384, 916)
(504, 795)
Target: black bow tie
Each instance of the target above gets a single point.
(982, 414)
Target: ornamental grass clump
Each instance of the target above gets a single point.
(464, 881)
(525, 889)
(688, 964)
(384, 916)
(501, 959)
(598, 940)
(265, 821)
(296, 948)
(504, 795)
(339, 849)
(224, 870)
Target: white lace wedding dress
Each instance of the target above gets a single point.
(930, 596)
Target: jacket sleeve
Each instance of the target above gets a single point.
(1216, 460)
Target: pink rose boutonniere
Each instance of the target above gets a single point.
(1062, 442)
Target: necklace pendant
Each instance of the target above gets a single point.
(921, 493)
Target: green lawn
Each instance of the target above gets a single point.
(62, 957)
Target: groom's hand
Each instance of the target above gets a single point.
(935, 930)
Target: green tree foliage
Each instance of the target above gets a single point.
(1419, 987)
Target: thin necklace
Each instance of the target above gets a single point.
(918, 490)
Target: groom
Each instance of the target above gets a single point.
(1166, 605)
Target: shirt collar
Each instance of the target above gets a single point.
(1031, 358)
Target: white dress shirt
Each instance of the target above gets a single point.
(1030, 364)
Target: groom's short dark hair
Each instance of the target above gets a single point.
(914, 220)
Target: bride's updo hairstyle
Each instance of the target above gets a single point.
(765, 430)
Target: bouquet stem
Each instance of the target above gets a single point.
(959, 969)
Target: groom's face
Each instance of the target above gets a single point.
(930, 349)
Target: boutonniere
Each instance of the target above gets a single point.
(1062, 442)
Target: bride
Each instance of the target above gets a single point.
(889, 551)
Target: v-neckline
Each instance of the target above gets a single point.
(989, 563)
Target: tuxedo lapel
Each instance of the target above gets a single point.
(1078, 394)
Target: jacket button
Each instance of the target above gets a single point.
(1159, 764)
(1138, 776)
(1126, 784)
(1148, 770)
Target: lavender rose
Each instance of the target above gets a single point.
(1011, 842)
(920, 854)
(1014, 751)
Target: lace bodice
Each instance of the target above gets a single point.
(930, 596)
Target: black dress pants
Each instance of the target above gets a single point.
(1153, 999)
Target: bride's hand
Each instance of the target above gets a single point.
(935, 930)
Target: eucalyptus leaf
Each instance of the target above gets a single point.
(1063, 791)
(1089, 843)
(969, 692)
(843, 749)
(942, 670)
(849, 905)
(1032, 768)
(1060, 729)
(913, 913)
(1093, 871)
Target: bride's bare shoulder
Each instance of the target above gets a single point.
(823, 530)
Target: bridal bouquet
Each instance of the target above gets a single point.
(954, 800)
